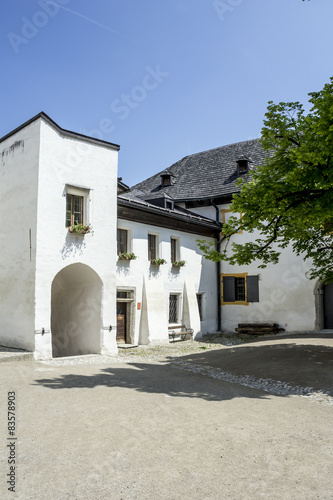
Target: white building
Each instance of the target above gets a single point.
(64, 293)
(153, 296)
(204, 183)
(58, 289)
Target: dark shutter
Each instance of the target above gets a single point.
(228, 289)
(252, 288)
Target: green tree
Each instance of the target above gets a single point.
(289, 198)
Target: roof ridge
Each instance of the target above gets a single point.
(219, 147)
(61, 130)
(207, 174)
(256, 139)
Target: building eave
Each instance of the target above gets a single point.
(206, 201)
(128, 210)
(63, 132)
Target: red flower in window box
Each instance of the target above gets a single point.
(80, 229)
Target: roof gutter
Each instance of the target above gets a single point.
(171, 214)
(218, 270)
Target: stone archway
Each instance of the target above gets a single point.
(76, 311)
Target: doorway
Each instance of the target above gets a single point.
(125, 316)
(76, 311)
(121, 322)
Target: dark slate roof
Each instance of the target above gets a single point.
(210, 174)
(122, 186)
(157, 195)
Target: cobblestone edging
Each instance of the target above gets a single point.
(268, 385)
(171, 353)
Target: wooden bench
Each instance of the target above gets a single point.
(258, 328)
(180, 330)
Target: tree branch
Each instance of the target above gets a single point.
(312, 195)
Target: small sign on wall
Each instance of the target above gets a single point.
(139, 306)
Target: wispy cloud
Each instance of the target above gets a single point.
(91, 21)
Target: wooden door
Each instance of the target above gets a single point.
(121, 322)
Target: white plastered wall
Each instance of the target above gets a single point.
(286, 295)
(66, 161)
(19, 157)
(153, 284)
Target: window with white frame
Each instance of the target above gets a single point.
(174, 308)
(152, 247)
(77, 206)
(175, 252)
(122, 241)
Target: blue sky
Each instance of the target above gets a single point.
(162, 78)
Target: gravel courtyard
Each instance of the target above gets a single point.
(190, 420)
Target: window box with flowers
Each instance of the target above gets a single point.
(80, 229)
(158, 262)
(126, 256)
(178, 263)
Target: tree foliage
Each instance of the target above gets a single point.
(288, 199)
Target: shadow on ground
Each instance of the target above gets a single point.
(156, 379)
(294, 361)
(298, 363)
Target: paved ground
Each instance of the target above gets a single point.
(186, 421)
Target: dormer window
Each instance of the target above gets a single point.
(166, 180)
(242, 166)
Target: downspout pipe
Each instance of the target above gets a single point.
(218, 269)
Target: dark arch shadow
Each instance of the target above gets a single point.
(299, 365)
(155, 379)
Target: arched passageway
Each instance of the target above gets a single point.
(76, 311)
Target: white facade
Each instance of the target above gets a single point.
(63, 294)
(152, 285)
(51, 279)
(18, 196)
(286, 295)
